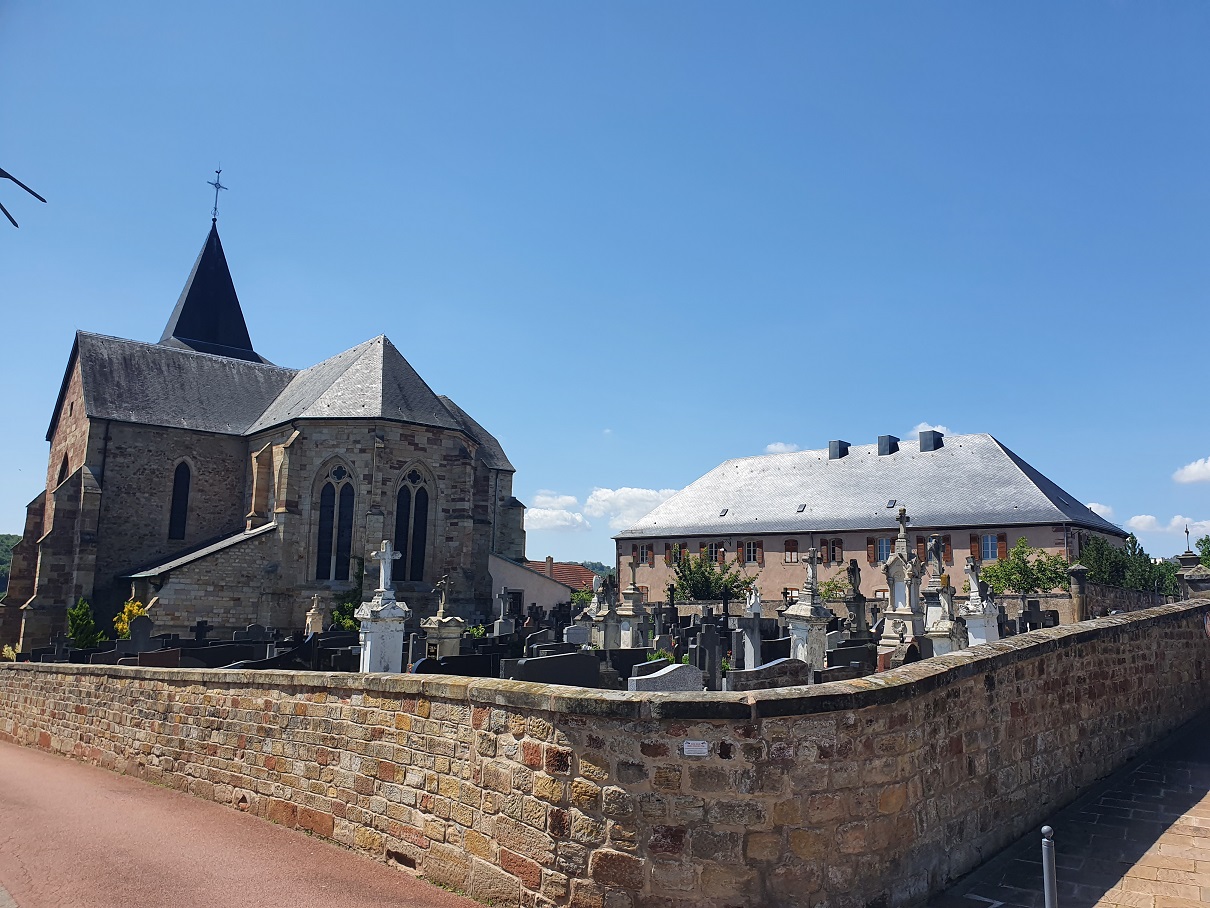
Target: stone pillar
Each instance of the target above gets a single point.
(1079, 591)
(316, 617)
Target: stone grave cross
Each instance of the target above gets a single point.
(385, 556)
(59, 641)
(202, 628)
(443, 587)
(901, 540)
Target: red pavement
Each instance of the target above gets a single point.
(79, 836)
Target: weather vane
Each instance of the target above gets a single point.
(217, 186)
(5, 175)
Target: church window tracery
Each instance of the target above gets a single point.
(179, 510)
(334, 540)
(412, 524)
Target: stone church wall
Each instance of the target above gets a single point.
(378, 454)
(68, 443)
(867, 792)
(140, 462)
(231, 588)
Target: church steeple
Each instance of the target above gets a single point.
(207, 317)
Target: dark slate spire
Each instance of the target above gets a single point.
(207, 317)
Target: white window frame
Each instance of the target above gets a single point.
(712, 551)
(792, 555)
(644, 554)
(883, 548)
(989, 543)
(749, 553)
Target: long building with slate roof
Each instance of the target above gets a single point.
(212, 485)
(764, 513)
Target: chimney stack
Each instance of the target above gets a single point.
(931, 440)
(887, 444)
(550, 567)
(837, 449)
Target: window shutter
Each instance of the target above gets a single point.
(1001, 545)
(838, 551)
(634, 553)
(921, 553)
(870, 555)
(760, 553)
(722, 554)
(739, 551)
(701, 550)
(976, 553)
(949, 549)
(667, 553)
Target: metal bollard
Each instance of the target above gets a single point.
(1048, 868)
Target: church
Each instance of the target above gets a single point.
(213, 485)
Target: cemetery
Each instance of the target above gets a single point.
(619, 641)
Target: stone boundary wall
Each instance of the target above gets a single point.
(873, 792)
(1103, 599)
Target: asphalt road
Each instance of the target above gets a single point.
(75, 835)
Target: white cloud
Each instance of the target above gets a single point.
(624, 506)
(544, 498)
(1198, 471)
(1143, 523)
(1101, 510)
(558, 519)
(781, 447)
(607, 431)
(928, 427)
(1146, 523)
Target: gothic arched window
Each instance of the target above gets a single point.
(180, 502)
(412, 524)
(334, 541)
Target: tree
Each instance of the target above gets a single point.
(7, 541)
(1203, 548)
(82, 627)
(1026, 571)
(581, 599)
(699, 578)
(344, 605)
(1128, 568)
(130, 611)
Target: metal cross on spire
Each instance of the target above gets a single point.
(217, 186)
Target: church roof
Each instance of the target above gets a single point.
(967, 481)
(370, 381)
(489, 448)
(207, 317)
(159, 385)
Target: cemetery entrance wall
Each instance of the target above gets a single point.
(872, 792)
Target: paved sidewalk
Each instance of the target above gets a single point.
(1141, 839)
(75, 835)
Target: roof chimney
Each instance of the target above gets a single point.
(550, 566)
(887, 444)
(930, 440)
(837, 449)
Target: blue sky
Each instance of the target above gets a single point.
(636, 239)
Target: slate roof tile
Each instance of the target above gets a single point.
(970, 481)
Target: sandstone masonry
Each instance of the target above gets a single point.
(874, 792)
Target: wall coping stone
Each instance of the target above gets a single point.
(884, 688)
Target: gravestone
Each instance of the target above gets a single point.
(779, 673)
(200, 630)
(253, 632)
(580, 669)
(649, 668)
(576, 634)
(669, 678)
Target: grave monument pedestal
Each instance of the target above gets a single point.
(444, 632)
(383, 620)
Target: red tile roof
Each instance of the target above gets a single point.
(575, 576)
